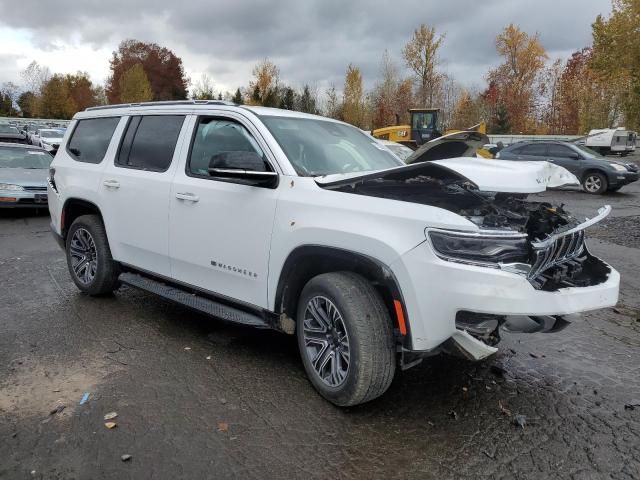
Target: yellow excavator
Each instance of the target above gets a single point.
(426, 125)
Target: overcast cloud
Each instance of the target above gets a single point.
(311, 41)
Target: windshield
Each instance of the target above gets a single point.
(51, 133)
(24, 158)
(588, 151)
(320, 147)
(423, 121)
(8, 129)
(401, 151)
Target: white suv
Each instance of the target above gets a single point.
(306, 225)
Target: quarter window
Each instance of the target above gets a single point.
(90, 138)
(150, 141)
(217, 135)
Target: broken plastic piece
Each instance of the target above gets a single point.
(471, 347)
(110, 416)
(85, 398)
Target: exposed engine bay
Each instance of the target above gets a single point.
(556, 257)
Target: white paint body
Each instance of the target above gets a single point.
(256, 229)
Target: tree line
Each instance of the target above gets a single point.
(597, 86)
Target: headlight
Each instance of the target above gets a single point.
(10, 187)
(487, 250)
(619, 168)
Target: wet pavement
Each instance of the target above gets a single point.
(196, 398)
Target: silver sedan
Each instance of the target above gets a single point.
(23, 176)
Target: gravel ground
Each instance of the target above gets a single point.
(196, 398)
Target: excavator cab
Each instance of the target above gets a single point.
(425, 124)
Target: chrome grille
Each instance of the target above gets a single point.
(565, 249)
(35, 189)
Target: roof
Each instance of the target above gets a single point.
(202, 104)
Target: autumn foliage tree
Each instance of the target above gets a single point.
(616, 56)
(353, 98)
(421, 56)
(524, 58)
(135, 86)
(162, 67)
(265, 84)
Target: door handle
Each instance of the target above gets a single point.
(111, 183)
(550, 160)
(189, 197)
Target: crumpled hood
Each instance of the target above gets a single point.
(488, 175)
(453, 145)
(510, 176)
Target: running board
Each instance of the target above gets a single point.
(192, 300)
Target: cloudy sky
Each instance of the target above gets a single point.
(310, 40)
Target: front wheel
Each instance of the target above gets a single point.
(595, 183)
(89, 258)
(345, 338)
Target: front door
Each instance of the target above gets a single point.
(220, 230)
(565, 157)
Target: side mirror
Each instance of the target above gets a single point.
(242, 165)
(575, 156)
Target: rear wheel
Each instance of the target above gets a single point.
(595, 183)
(345, 338)
(89, 258)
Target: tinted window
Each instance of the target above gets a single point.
(215, 135)
(560, 151)
(536, 149)
(91, 138)
(150, 141)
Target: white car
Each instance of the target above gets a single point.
(47, 138)
(303, 224)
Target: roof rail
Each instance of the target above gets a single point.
(162, 103)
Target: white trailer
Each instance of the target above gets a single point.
(612, 141)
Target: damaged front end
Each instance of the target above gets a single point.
(538, 241)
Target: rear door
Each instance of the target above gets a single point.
(135, 191)
(220, 229)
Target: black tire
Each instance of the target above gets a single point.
(369, 335)
(105, 278)
(595, 183)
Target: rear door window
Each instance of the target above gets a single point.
(149, 142)
(90, 139)
(560, 151)
(534, 150)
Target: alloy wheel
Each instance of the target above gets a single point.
(326, 341)
(84, 256)
(593, 183)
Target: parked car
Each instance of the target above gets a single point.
(597, 174)
(48, 138)
(303, 224)
(10, 134)
(399, 150)
(23, 176)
